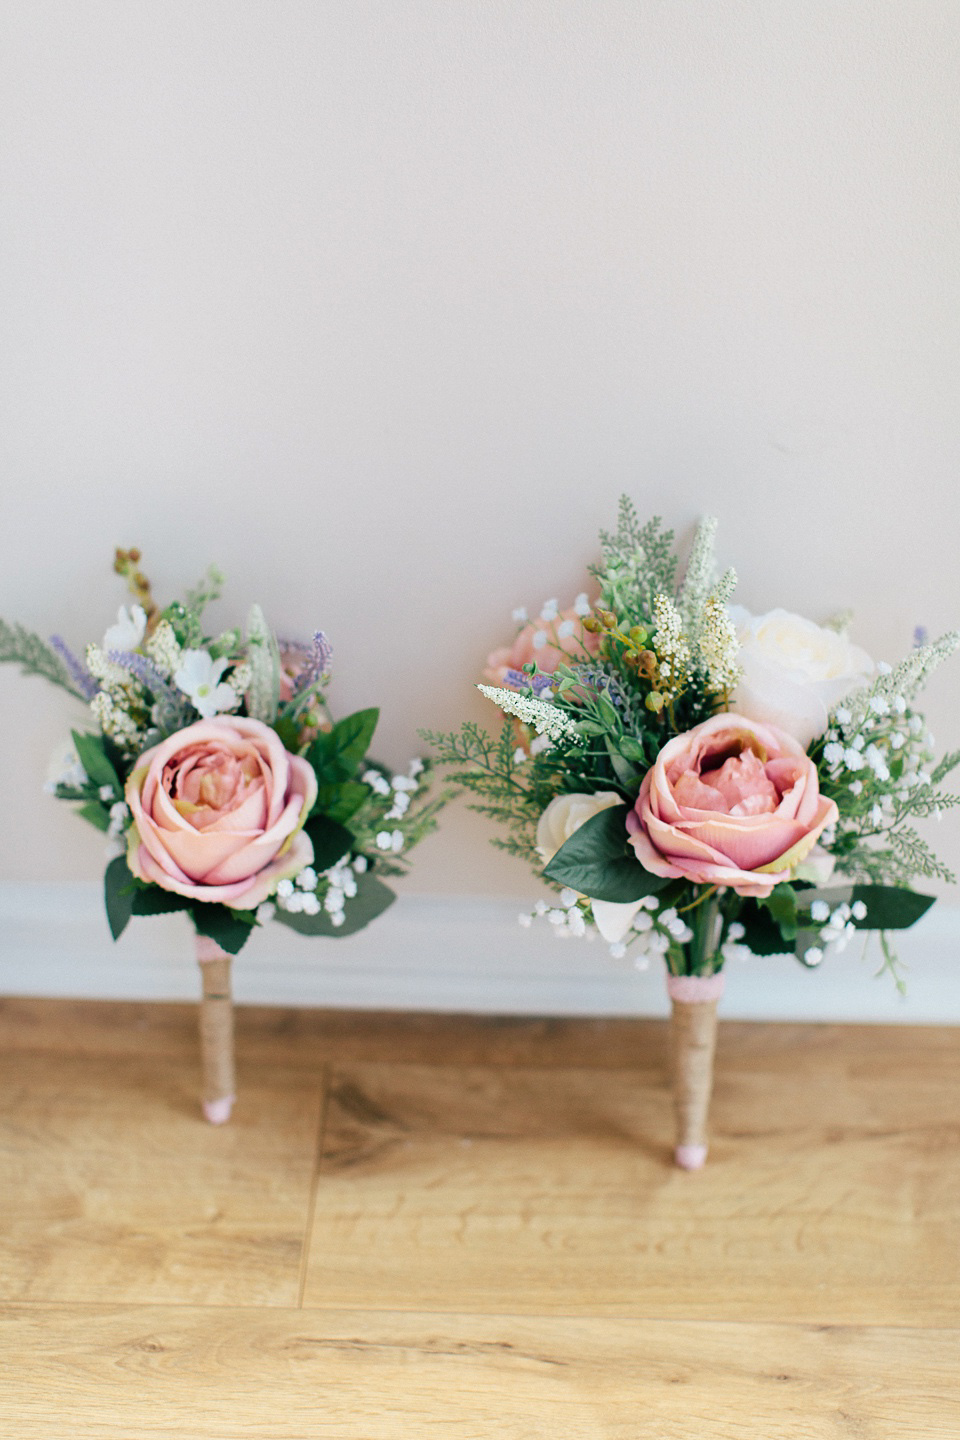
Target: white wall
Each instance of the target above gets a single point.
(381, 305)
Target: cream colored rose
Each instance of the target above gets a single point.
(566, 814)
(794, 672)
(557, 823)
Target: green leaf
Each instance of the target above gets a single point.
(96, 813)
(93, 757)
(288, 733)
(590, 727)
(889, 907)
(336, 754)
(222, 925)
(353, 735)
(118, 890)
(331, 841)
(153, 900)
(341, 802)
(371, 899)
(608, 712)
(626, 773)
(595, 861)
(761, 932)
(782, 906)
(631, 749)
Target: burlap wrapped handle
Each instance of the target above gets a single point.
(216, 1032)
(694, 1040)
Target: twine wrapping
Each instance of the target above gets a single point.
(216, 1032)
(694, 1038)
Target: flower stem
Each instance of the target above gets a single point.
(706, 925)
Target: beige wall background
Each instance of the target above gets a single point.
(381, 305)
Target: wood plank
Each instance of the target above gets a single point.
(217, 1374)
(114, 1187)
(832, 1194)
(310, 1038)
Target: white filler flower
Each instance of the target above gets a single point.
(198, 676)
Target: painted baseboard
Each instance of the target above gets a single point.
(451, 953)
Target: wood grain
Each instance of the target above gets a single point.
(831, 1196)
(142, 1372)
(487, 1236)
(114, 1187)
(310, 1038)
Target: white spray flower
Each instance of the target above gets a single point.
(129, 630)
(198, 676)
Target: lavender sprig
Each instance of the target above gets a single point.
(317, 667)
(144, 670)
(521, 681)
(79, 673)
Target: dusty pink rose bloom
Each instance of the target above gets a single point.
(218, 811)
(731, 802)
(548, 657)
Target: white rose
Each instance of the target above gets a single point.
(557, 823)
(794, 672)
(566, 814)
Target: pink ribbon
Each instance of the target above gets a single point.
(693, 989)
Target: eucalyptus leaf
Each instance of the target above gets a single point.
(626, 773)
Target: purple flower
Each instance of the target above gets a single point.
(920, 635)
(145, 671)
(519, 680)
(78, 672)
(317, 666)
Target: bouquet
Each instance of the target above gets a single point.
(696, 782)
(224, 786)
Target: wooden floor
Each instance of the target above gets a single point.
(467, 1228)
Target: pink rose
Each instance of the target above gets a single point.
(548, 656)
(731, 802)
(218, 811)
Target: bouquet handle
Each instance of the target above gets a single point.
(693, 1000)
(216, 1032)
